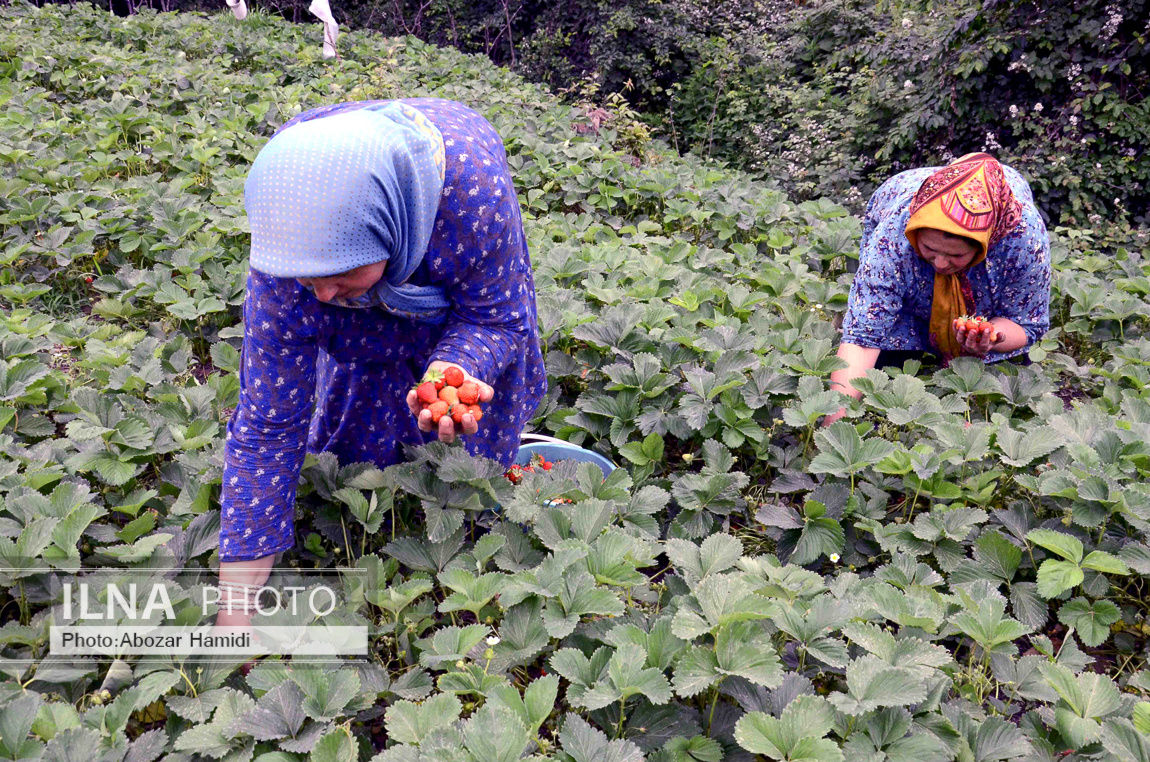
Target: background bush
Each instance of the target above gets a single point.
(849, 92)
(830, 97)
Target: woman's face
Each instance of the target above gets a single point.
(346, 285)
(947, 253)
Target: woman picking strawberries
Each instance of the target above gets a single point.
(386, 245)
(937, 245)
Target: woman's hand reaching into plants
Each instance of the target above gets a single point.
(463, 421)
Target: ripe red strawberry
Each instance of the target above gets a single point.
(426, 392)
(449, 394)
(453, 376)
(438, 410)
(436, 378)
(547, 465)
(457, 412)
(469, 393)
(476, 412)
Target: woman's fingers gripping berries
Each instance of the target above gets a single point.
(448, 399)
(976, 334)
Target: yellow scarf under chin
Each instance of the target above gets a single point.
(969, 198)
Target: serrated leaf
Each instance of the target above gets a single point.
(1023, 448)
(1067, 546)
(409, 722)
(819, 537)
(326, 693)
(583, 743)
(872, 683)
(990, 627)
(1102, 561)
(842, 452)
(798, 734)
(1056, 577)
(495, 734)
(1091, 620)
(1141, 717)
(1125, 741)
(335, 746)
(278, 714)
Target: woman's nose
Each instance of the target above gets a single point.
(324, 292)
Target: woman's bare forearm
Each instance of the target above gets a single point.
(859, 360)
(252, 572)
(1013, 335)
(236, 602)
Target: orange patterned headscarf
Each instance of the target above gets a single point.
(970, 198)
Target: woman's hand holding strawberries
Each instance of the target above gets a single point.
(977, 335)
(448, 399)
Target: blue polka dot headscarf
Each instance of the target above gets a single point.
(354, 188)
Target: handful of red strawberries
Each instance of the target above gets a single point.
(976, 325)
(446, 393)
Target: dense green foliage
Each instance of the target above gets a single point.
(956, 572)
(849, 91)
(829, 97)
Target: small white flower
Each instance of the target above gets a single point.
(492, 641)
(834, 558)
(1038, 108)
(908, 85)
(907, 23)
(1013, 110)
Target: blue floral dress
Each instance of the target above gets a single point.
(890, 298)
(356, 365)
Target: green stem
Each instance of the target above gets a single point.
(714, 703)
(914, 502)
(24, 613)
(346, 541)
(622, 716)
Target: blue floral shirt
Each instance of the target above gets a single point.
(355, 366)
(890, 298)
